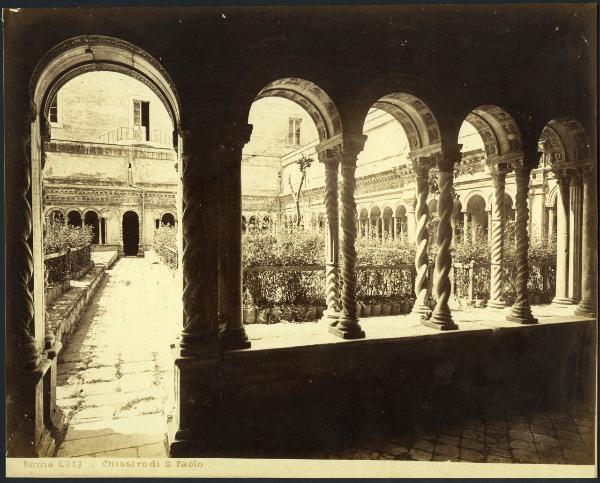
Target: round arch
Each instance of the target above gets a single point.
(63, 62)
(55, 213)
(168, 217)
(314, 100)
(473, 194)
(91, 218)
(415, 104)
(565, 142)
(74, 217)
(498, 130)
(88, 53)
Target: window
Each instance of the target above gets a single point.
(53, 115)
(294, 131)
(141, 119)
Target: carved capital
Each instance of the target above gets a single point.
(422, 165)
(352, 145)
(448, 156)
(520, 168)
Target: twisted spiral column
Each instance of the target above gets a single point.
(234, 335)
(200, 255)
(332, 289)
(348, 326)
(421, 305)
(441, 317)
(521, 311)
(497, 249)
(587, 305)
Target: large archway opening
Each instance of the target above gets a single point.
(283, 180)
(103, 110)
(131, 236)
(91, 219)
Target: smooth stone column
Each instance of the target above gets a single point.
(589, 270)
(520, 311)
(330, 159)
(550, 230)
(234, 336)
(575, 215)
(441, 318)
(498, 173)
(562, 239)
(411, 223)
(393, 227)
(348, 326)
(421, 167)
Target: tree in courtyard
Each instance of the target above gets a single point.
(303, 164)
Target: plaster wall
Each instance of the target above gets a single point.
(92, 104)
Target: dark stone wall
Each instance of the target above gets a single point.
(279, 401)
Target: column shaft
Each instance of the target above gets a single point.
(497, 238)
(587, 305)
(562, 239)
(441, 318)
(575, 215)
(421, 168)
(521, 311)
(332, 290)
(348, 326)
(200, 219)
(234, 336)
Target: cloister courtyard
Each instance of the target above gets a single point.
(260, 233)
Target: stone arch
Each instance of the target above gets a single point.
(169, 216)
(54, 212)
(314, 100)
(564, 142)
(416, 105)
(89, 53)
(499, 131)
(74, 217)
(91, 218)
(68, 59)
(374, 212)
(471, 194)
(551, 198)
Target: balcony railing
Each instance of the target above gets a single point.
(123, 135)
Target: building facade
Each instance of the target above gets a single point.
(110, 161)
(283, 133)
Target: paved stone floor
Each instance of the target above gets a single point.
(556, 436)
(116, 372)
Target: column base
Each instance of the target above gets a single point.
(420, 309)
(330, 316)
(561, 301)
(439, 324)
(521, 315)
(233, 340)
(345, 332)
(496, 304)
(586, 310)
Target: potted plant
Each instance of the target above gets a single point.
(376, 308)
(386, 308)
(396, 308)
